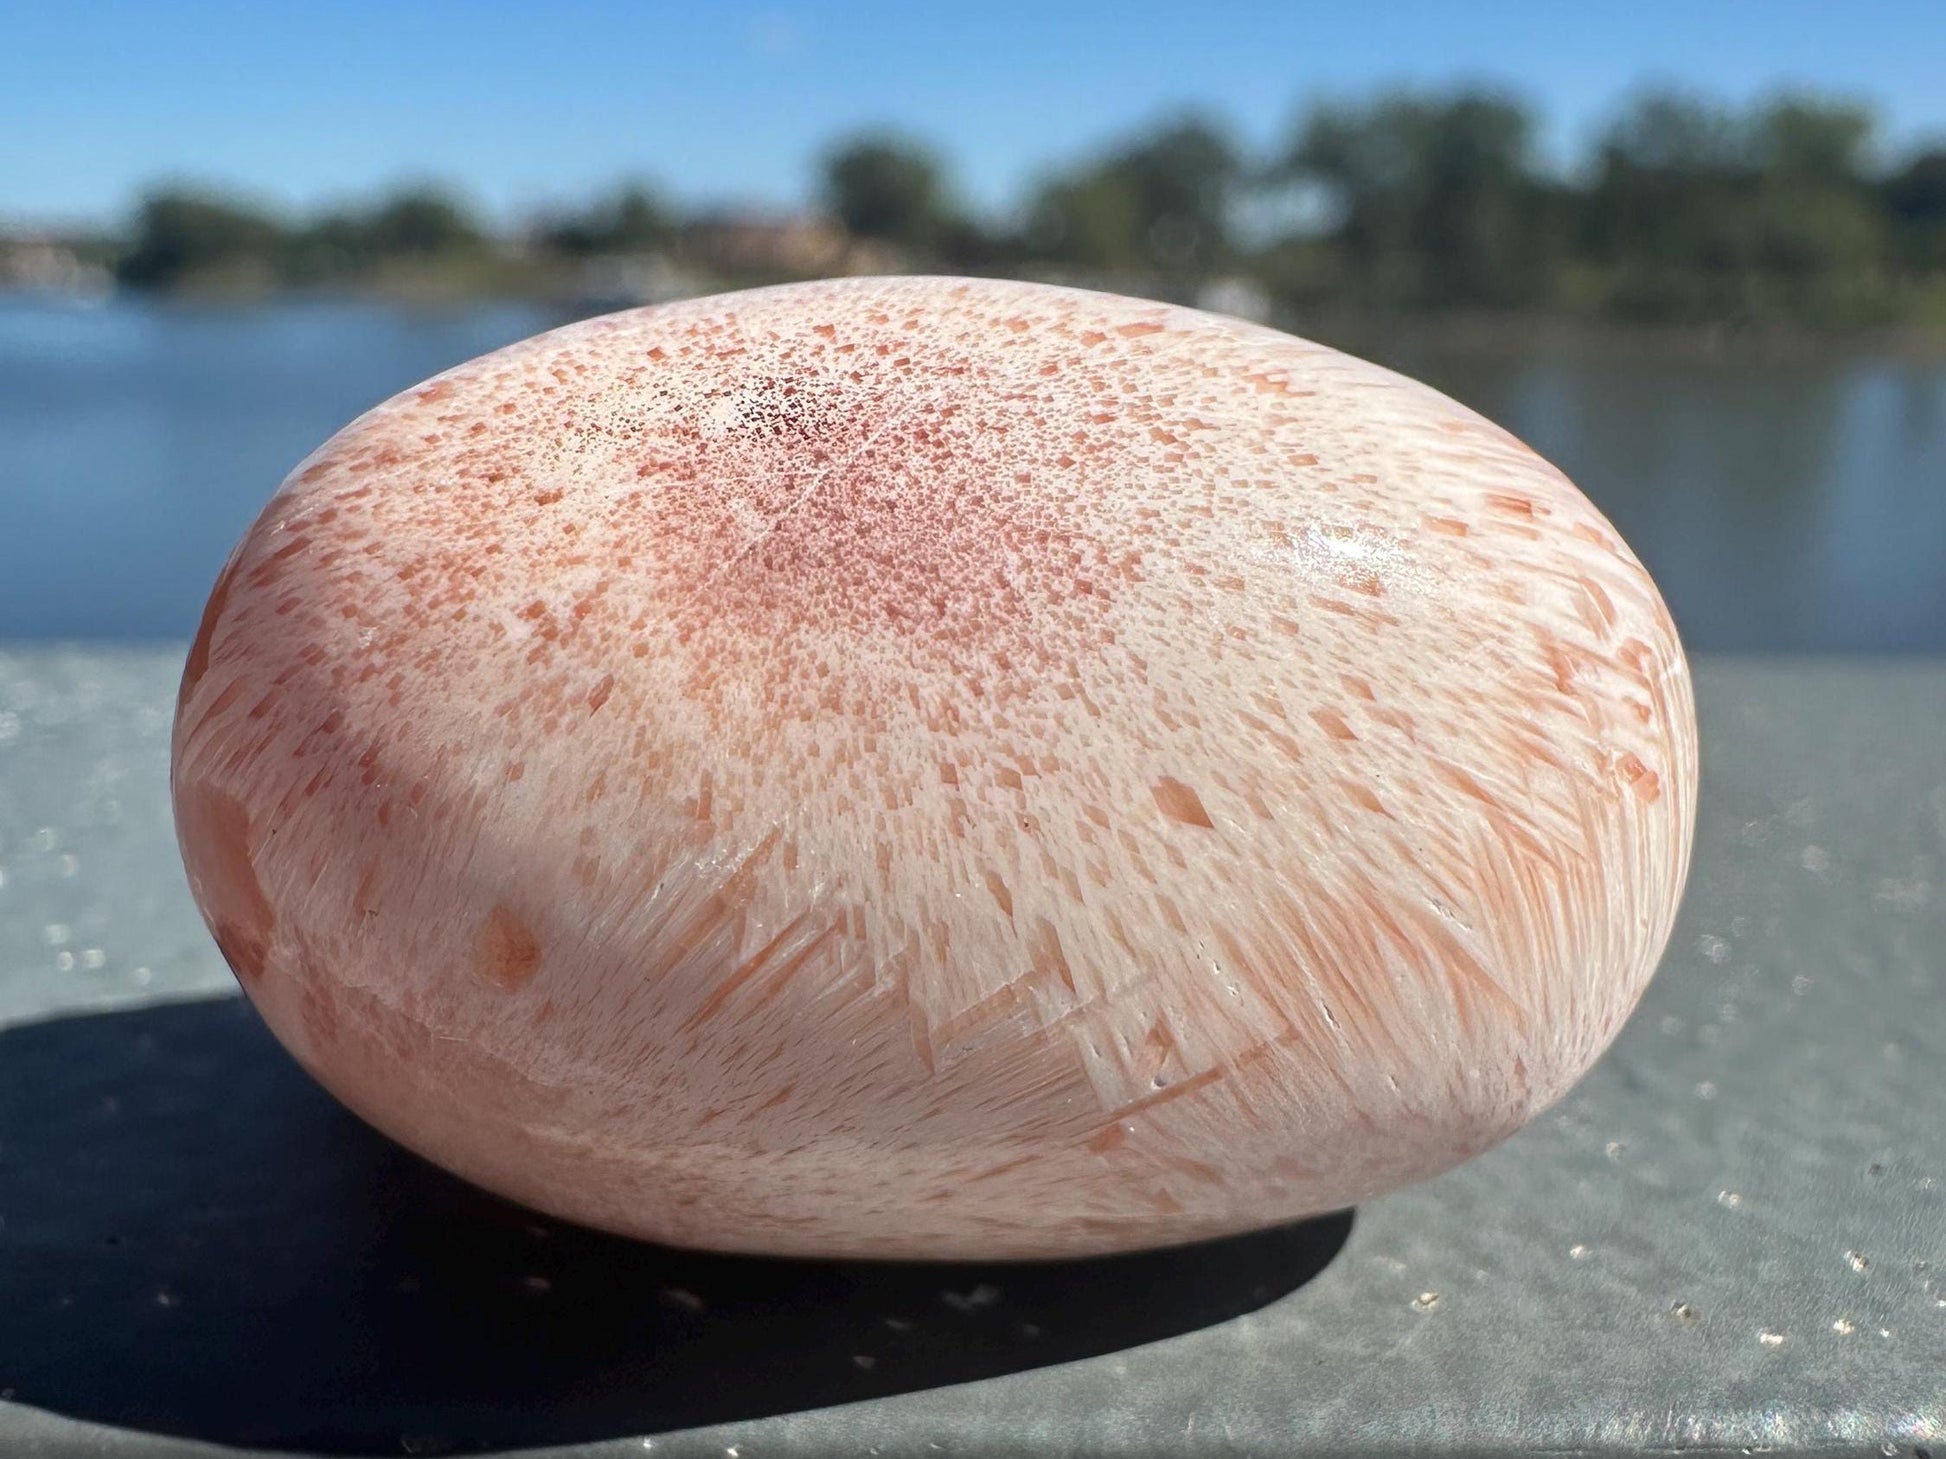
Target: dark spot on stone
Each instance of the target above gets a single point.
(219, 598)
(215, 830)
(506, 953)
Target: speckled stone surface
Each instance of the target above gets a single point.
(1118, 775)
(1732, 1236)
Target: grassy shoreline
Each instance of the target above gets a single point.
(1489, 334)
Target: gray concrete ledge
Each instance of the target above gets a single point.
(1730, 1238)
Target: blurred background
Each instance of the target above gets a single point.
(1695, 254)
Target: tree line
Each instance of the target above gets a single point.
(1683, 211)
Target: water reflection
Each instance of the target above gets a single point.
(1781, 506)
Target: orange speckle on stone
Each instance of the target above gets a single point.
(506, 953)
(1333, 724)
(1366, 797)
(1646, 784)
(364, 899)
(1049, 958)
(1604, 605)
(224, 877)
(1180, 802)
(1112, 1138)
(598, 695)
(1170, 1092)
(1466, 783)
(1595, 535)
(198, 662)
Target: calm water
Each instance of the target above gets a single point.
(1793, 506)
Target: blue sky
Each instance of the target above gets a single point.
(523, 104)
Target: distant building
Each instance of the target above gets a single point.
(624, 281)
(48, 266)
(1239, 297)
(797, 244)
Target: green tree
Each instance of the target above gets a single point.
(1163, 201)
(1701, 214)
(1671, 213)
(422, 220)
(1675, 132)
(1821, 247)
(333, 245)
(1808, 139)
(1092, 218)
(884, 186)
(1437, 198)
(1914, 199)
(631, 219)
(180, 234)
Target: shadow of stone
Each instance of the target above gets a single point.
(199, 1242)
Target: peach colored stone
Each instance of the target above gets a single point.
(925, 767)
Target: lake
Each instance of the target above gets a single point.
(1790, 506)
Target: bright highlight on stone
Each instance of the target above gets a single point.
(933, 767)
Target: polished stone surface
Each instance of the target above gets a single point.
(1731, 1236)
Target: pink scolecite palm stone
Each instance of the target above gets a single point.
(933, 767)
